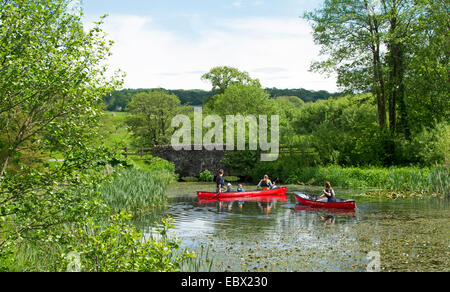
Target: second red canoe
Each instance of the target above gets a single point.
(209, 195)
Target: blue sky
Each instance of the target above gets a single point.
(172, 43)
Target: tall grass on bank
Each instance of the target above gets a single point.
(137, 191)
(410, 179)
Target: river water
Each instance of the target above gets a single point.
(382, 234)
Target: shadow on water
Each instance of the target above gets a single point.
(279, 235)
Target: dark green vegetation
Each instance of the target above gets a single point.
(118, 100)
(53, 213)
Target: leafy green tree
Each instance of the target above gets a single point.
(223, 77)
(350, 33)
(52, 77)
(152, 113)
(396, 49)
(427, 81)
(241, 99)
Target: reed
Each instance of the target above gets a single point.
(434, 180)
(201, 263)
(137, 191)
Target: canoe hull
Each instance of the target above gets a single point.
(302, 199)
(209, 195)
(264, 199)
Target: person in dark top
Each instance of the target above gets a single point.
(220, 182)
(265, 183)
(328, 193)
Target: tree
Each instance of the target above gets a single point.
(242, 99)
(52, 75)
(427, 81)
(388, 47)
(223, 77)
(51, 85)
(350, 34)
(152, 114)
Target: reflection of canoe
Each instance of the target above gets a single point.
(264, 199)
(215, 196)
(311, 200)
(332, 211)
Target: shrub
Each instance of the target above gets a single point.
(206, 176)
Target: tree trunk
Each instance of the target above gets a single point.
(5, 164)
(397, 72)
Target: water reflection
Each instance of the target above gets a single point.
(265, 204)
(278, 235)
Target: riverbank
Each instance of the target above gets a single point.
(428, 181)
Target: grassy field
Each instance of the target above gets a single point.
(114, 131)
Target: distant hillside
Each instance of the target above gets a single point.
(118, 100)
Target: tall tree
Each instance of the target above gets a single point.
(51, 74)
(152, 113)
(223, 77)
(350, 35)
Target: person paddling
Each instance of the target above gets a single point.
(265, 183)
(328, 193)
(220, 181)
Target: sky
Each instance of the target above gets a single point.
(172, 43)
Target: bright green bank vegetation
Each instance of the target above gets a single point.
(141, 188)
(75, 214)
(413, 180)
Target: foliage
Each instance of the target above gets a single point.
(54, 75)
(223, 77)
(190, 179)
(51, 87)
(118, 100)
(411, 179)
(137, 191)
(155, 164)
(152, 113)
(119, 247)
(396, 49)
(231, 178)
(113, 130)
(206, 176)
(241, 99)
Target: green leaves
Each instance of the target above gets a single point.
(152, 113)
(223, 77)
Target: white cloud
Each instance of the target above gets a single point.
(277, 51)
(237, 4)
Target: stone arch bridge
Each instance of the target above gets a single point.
(188, 163)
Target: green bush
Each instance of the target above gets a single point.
(206, 176)
(118, 247)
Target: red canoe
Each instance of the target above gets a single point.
(265, 199)
(311, 200)
(215, 196)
